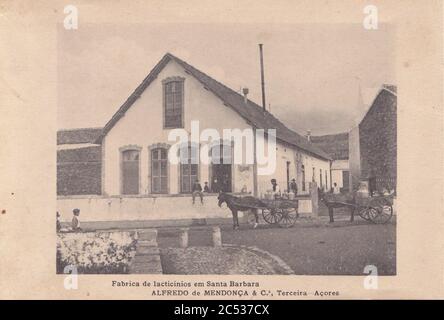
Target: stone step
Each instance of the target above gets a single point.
(146, 258)
(148, 234)
(147, 250)
(146, 268)
(147, 243)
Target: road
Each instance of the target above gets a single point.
(325, 250)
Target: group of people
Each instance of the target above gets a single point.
(196, 190)
(276, 191)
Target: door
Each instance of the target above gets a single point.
(221, 177)
(345, 180)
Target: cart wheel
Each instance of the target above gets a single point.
(363, 212)
(272, 216)
(381, 214)
(289, 217)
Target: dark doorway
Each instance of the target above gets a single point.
(345, 180)
(221, 178)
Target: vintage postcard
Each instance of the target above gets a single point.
(236, 150)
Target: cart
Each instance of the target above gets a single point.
(376, 209)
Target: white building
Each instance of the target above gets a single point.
(135, 142)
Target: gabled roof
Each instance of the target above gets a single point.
(336, 145)
(77, 136)
(250, 111)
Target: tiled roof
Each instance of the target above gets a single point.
(250, 111)
(76, 136)
(336, 145)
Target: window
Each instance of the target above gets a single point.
(130, 171)
(313, 175)
(173, 102)
(326, 182)
(189, 168)
(320, 178)
(303, 177)
(159, 170)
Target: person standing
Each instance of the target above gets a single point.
(275, 188)
(336, 189)
(294, 187)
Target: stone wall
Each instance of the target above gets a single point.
(377, 135)
(98, 208)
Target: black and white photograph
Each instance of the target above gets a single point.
(285, 139)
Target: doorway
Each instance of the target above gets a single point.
(221, 168)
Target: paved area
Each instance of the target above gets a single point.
(218, 260)
(320, 248)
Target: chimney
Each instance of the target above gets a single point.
(262, 76)
(308, 135)
(245, 92)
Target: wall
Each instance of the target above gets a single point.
(337, 167)
(377, 132)
(79, 171)
(354, 158)
(310, 163)
(98, 208)
(296, 158)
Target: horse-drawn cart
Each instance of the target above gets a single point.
(279, 211)
(377, 209)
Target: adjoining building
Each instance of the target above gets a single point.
(336, 145)
(78, 162)
(373, 144)
(135, 173)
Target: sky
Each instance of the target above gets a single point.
(314, 73)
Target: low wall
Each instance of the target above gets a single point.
(99, 208)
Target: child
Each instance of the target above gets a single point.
(206, 188)
(75, 224)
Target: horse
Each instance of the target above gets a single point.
(236, 204)
(333, 201)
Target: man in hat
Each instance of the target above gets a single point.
(275, 188)
(197, 190)
(75, 223)
(294, 187)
